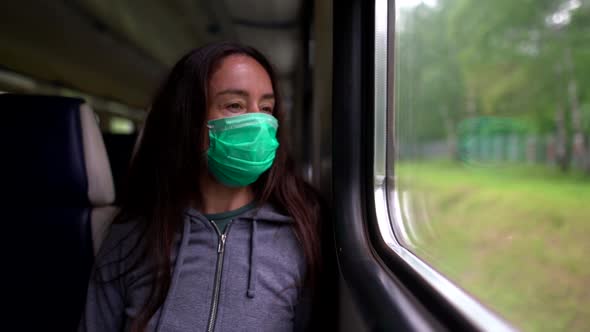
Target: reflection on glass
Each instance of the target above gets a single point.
(493, 151)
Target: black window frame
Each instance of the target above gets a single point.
(391, 292)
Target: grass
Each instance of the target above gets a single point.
(516, 237)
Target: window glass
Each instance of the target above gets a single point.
(492, 151)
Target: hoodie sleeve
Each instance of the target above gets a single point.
(105, 300)
(104, 310)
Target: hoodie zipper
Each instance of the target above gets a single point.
(219, 266)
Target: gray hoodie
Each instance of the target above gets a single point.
(248, 279)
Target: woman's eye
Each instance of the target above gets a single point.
(266, 109)
(234, 107)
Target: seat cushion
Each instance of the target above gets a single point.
(52, 152)
(49, 266)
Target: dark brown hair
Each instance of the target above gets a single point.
(164, 174)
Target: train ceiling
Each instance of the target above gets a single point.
(120, 49)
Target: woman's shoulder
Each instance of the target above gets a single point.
(121, 240)
(269, 212)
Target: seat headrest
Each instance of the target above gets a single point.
(53, 152)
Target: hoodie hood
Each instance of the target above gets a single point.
(266, 212)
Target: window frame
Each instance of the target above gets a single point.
(455, 307)
(383, 301)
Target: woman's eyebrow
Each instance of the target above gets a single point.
(243, 93)
(233, 92)
(268, 96)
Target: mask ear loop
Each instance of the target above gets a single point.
(208, 145)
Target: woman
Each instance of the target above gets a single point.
(215, 232)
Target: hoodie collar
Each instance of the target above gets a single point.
(266, 212)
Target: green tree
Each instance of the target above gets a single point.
(527, 59)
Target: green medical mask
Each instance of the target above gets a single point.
(241, 147)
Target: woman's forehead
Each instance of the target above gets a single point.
(240, 72)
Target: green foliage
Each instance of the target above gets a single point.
(466, 58)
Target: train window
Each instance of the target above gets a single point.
(489, 151)
(120, 125)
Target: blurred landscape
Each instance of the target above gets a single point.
(492, 145)
(516, 238)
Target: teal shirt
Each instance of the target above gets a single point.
(222, 219)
